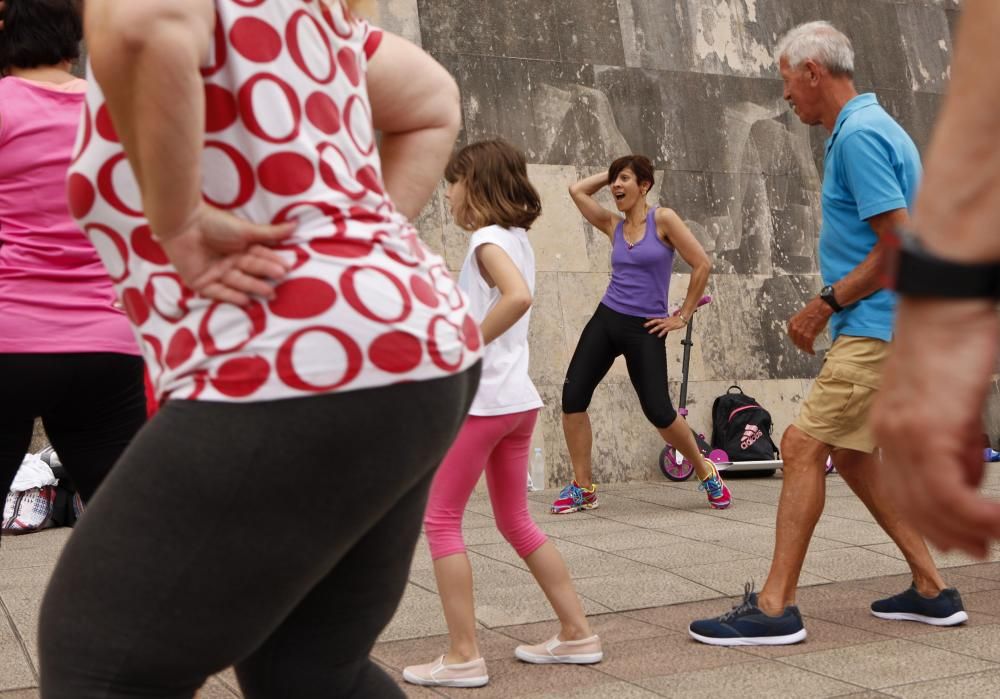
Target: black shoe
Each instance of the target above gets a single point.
(747, 625)
(944, 610)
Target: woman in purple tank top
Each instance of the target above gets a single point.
(632, 319)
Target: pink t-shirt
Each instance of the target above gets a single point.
(55, 294)
(288, 137)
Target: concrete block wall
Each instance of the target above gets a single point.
(691, 84)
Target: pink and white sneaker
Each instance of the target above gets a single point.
(438, 674)
(582, 652)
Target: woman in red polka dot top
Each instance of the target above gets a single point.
(314, 358)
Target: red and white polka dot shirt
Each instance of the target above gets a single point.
(288, 136)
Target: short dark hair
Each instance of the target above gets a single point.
(497, 188)
(639, 164)
(40, 33)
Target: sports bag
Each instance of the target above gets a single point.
(51, 502)
(741, 427)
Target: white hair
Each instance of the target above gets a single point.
(821, 42)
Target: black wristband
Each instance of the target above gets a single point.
(914, 271)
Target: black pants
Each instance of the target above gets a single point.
(273, 536)
(91, 404)
(607, 335)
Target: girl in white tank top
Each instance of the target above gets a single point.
(489, 193)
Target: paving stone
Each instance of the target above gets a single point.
(643, 590)
(729, 578)
(755, 678)
(887, 663)
(976, 641)
(980, 684)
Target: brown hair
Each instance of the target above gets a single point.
(497, 188)
(639, 164)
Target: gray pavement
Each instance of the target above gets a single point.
(652, 557)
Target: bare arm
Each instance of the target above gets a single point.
(583, 193)
(691, 251)
(415, 103)
(865, 279)
(861, 282)
(672, 230)
(928, 418)
(958, 209)
(146, 56)
(515, 297)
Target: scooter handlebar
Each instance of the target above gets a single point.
(703, 301)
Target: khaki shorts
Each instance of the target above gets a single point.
(838, 408)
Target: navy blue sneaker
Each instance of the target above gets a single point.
(944, 610)
(747, 625)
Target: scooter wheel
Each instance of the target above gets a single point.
(674, 466)
(829, 466)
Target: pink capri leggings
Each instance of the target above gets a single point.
(500, 444)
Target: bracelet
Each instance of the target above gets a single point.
(914, 271)
(681, 316)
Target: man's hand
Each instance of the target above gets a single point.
(806, 325)
(661, 326)
(224, 258)
(928, 419)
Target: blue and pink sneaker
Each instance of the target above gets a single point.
(573, 498)
(718, 493)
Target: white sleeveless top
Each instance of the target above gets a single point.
(288, 137)
(505, 386)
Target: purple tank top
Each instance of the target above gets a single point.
(640, 275)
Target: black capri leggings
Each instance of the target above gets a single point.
(273, 536)
(607, 335)
(91, 404)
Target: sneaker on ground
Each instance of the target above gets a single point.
(582, 652)
(438, 674)
(944, 610)
(718, 493)
(747, 625)
(573, 498)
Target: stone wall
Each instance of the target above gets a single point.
(691, 84)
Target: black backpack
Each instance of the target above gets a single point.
(741, 427)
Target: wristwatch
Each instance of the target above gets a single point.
(912, 270)
(826, 293)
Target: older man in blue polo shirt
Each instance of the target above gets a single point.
(871, 174)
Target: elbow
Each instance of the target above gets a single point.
(522, 302)
(125, 31)
(449, 110)
(113, 43)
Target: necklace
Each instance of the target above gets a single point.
(628, 243)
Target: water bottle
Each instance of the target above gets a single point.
(536, 470)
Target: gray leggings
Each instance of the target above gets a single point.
(276, 537)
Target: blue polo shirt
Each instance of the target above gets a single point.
(872, 166)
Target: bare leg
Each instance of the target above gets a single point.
(680, 437)
(579, 441)
(454, 580)
(550, 571)
(803, 492)
(866, 477)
